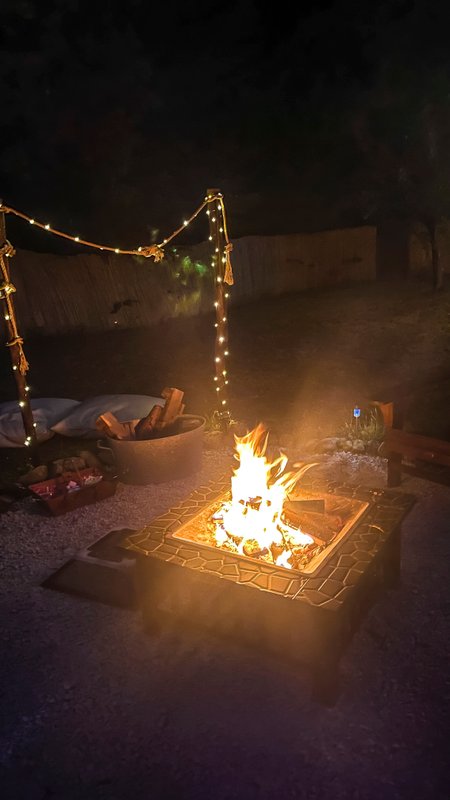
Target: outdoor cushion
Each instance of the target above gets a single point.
(81, 421)
(46, 412)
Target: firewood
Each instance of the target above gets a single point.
(172, 407)
(109, 424)
(146, 426)
(322, 527)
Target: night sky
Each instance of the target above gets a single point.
(116, 118)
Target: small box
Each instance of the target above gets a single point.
(73, 490)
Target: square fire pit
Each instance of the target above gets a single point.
(303, 615)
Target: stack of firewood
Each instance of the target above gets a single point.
(158, 422)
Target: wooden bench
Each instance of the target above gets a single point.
(399, 444)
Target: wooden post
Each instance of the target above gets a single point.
(7, 305)
(217, 238)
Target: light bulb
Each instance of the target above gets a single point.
(185, 222)
(210, 238)
(7, 317)
(226, 353)
(77, 238)
(21, 403)
(47, 227)
(217, 359)
(31, 221)
(216, 304)
(224, 402)
(116, 250)
(14, 367)
(221, 339)
(219, 279)
(224, 319)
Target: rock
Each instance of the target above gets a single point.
(90, 459)
(73, 464)
(329, 445)
(57, 467)
(35, 475)
(312, 446)
(6, 502)
(358, 446)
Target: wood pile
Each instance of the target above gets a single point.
(160, 421)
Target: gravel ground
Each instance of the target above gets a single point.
(94, 708)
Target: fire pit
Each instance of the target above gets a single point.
(280, 565)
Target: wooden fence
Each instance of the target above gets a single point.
(56, 294)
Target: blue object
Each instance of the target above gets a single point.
(356, 412)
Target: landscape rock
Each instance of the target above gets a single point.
(35, 475)
(90, 459)
(330, 445)
(358, 446)
(73, 464)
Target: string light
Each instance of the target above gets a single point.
(155, 251)
(21, 403)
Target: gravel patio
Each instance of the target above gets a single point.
(94, 708)
(91, 707)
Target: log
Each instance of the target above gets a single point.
(172, 407)
(147, 426)
(109, 424)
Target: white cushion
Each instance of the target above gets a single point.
(46, 412)
(81, 421)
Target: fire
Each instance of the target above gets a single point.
(252, 521)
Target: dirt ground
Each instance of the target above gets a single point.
(299, 361)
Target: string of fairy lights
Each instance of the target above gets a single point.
(220, 262)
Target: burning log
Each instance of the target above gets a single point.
(321, 527)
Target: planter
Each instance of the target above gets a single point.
(159, 460)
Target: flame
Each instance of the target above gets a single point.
(251, 522)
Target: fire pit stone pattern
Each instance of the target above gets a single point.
(328, 589)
